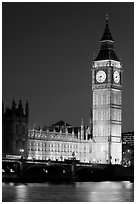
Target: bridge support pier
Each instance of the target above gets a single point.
(21, 166)
(73, 166)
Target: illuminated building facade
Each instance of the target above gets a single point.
(15, 129)
(99, 142)
(107, 102)
(59, 143)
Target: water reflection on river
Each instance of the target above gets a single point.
(77, 192)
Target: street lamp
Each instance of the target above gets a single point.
(73, 155)
(73, 166)
(61, 158)
(21, 152)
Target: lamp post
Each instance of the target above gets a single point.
(73, 166)
(21, 152)
(61, 158)
(21, 163)
(73, 155)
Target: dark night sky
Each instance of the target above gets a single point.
(47, 52)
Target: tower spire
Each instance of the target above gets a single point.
(107, 34)
(106, 50)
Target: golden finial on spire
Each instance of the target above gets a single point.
(107, 17)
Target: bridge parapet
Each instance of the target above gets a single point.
(70, 169)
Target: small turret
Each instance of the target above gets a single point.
(27, 110)
(13, 105)
(54, 130)
(20, 108)
(60, 130)
(34, 128)
(66, 129)
(40, 129)
(86, 133)
(82, 129)
(73, 131)
(47, 128)
(13, 108)
(78, 134)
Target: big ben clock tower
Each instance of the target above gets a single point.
(107, 102)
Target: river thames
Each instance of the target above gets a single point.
(73, 192)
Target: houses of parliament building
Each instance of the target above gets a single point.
(100, 141)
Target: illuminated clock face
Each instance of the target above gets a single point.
(100, 76)
(116, 77)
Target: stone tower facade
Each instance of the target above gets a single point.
(15, 129)
(107, 102)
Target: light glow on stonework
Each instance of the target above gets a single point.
(107, 115)
(104, 63)
(101, 129)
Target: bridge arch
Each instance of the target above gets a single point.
(46, 172)
(90, 174)
(10, 167)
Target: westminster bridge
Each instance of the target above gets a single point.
(69, 170)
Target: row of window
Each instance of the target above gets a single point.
(38, 135)
(52, 150)
(52, 145)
